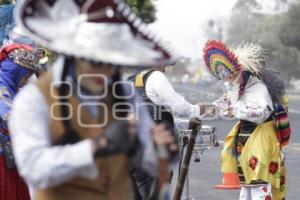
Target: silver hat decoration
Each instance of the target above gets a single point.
(103, 31)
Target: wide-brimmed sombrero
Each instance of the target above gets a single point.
(220, 60)
(99, 30)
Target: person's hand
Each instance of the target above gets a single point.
(207, 109)
(212, 110)
(195, 124)
(164, 137)
(119, 137)
(230, 112)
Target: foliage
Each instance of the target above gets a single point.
(277, 31)
(145, 9)
(290, 29)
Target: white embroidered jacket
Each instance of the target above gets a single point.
(255, 105)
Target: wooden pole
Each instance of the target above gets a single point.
(194, 125)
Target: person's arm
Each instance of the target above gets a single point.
(254, 105)
(161, 92)
(40, 163)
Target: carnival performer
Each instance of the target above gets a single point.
(163, 100)
(255, 146)
(163, 103)
(18, 62)
(86, 126)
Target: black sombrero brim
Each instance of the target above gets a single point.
(99, 30)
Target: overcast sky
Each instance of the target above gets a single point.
(182, 22)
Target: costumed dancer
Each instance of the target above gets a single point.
(81, 139)
(254, 147)
(18, 62)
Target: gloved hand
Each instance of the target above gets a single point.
(195, 124)
(119, 137)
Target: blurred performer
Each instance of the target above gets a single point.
(254, 95)
(163, 103)
(85, 123)
(18, 61)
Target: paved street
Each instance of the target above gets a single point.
(206, 174)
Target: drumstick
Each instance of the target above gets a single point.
(209, 111)
(215, 104)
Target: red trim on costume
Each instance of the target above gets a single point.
(8, 48)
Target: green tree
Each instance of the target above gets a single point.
(243, 21)
(246, 6)
(145, 9)
(290, 27)
(277, 31)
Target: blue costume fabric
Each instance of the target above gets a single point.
(6, 21)
(11, 75)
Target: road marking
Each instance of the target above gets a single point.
(294, 111)
(295, 144)
(294, 147)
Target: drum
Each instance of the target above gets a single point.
(205, 139)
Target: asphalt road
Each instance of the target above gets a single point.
(205, 174)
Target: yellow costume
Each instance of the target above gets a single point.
(264, 146)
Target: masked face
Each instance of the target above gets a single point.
(93, 76)
(222, 72)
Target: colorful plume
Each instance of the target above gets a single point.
(220, 60)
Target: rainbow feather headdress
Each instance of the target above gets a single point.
(222, 61)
